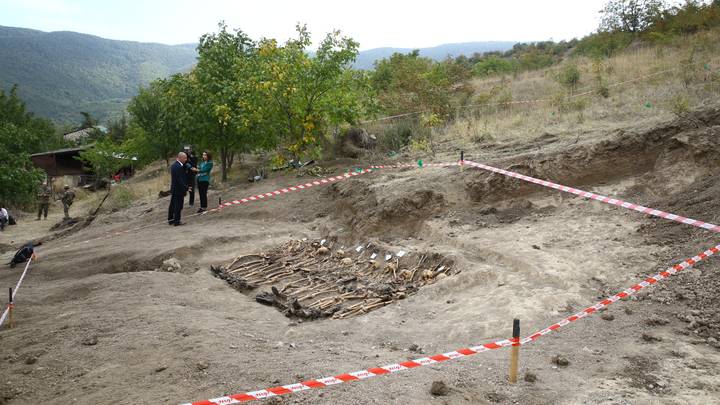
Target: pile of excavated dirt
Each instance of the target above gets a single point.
(397, 209)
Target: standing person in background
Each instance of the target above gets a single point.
(203, 179)
(178, 188)
(191, 170)
(43, 195)
(67, 199)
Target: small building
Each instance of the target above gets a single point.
(61, 162)
(66, 162)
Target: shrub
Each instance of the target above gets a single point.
(679, 105)
(492, 65)
(602, 87)
(569, 76)
(419, 146)
(121, 197)
(395, 137)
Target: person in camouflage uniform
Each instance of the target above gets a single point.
(67, 199)
(43, 195)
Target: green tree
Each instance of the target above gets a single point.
(226, 112)
(21, 134)
(18, 178)
(630, 15)
(153, 132)
(118, 128)
(104, 159)
(491, 66)
(409, 82)
(569, 76)
(306, 94)
(88, 120)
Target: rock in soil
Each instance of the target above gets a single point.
(607, 317)
(415, 348)
(561, 361)
(656, 321)
(89, 341)
(530, 377)
(439, 389)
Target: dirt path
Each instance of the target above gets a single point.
(101, 322)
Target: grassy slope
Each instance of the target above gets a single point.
(695, 81)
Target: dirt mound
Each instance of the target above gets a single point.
(355, 142)
(699, 200)
(65, 224)
(319, 279)
(687, 146)
(388, 212)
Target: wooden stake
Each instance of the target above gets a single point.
(515, 351)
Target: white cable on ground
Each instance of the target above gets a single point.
(17, 287)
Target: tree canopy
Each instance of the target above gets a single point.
(21, 134)
(247, 95)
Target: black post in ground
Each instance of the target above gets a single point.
(219, 201)
(515, 351)
(10, 308)
(462, 160)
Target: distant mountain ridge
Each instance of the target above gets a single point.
(367, 58)
(62, 73)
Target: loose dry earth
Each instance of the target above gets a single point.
(141, 318)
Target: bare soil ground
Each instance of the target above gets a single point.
(108, 322)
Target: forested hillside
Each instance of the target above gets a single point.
(366, 59)
(60, 74)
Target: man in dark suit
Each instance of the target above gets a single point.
(178, 188)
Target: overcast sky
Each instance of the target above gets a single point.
(373, 23)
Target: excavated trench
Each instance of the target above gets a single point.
(669, 167)
(322, 279)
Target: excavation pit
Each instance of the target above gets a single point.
(321, 279)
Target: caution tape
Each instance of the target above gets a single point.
(14, 293)
(687, 263)
(599, 197)
(415, 165)
(456, 354)
(285, 190)
(229, 203)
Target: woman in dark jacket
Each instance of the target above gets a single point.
(203, 179)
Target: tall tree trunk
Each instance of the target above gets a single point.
(224, 163)
(231, 159)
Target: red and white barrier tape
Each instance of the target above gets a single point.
(17, 287)
(415, 165)
(687, 263)
(599, 197)
(321, 182)
(424, 361)
(285, 190)
(226, 204)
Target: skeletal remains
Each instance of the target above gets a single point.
(311, 281)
